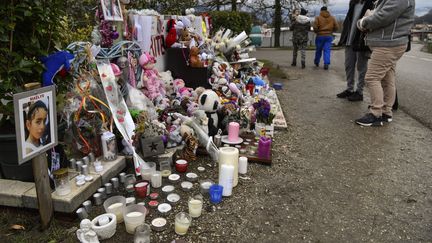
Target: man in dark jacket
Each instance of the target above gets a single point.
(356, 52)
(388, 28)
(324, 26)
(300, 25)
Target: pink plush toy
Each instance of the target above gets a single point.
(181, 90)
(151, 82)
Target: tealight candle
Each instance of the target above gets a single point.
(154, 196)
(159, 224)
(103, 220)
(205, 186)
(153, 203)
(167, 189)
(130, 200)
(191, 177)
(173, 198)
(174, 178)
(82, 214)
(201, 169)
(186, 185)
(164, 208)
(102, 191)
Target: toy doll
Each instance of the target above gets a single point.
(151, 81)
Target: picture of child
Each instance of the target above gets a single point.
(35, 125)
(111, 10)
(111, 152)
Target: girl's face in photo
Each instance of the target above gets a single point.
(36, 126)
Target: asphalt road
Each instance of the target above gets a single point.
(414, 82)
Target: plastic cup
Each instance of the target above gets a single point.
(134, 216)
(115, 205)
(195, 206)
(147, 169)
(181, 165)
(142, 234)
(182, 223)
(215, 192)
(141, 188)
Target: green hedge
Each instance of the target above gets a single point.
(236, 21)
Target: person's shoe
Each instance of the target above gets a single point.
(303, 65)
(316, 64)
(387, 118)
(326, 66)
(344, 94)
(356, 96)
(293, 64)
(369, 120)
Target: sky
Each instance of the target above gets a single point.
(341, 7)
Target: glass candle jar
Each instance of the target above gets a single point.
(182, 223)
(61, 181)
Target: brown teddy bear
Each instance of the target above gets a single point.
(194, 59)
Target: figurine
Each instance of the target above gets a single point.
(181, 90)
(150, 79)
(188, 152)
(86, 234)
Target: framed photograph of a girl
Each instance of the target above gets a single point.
(35, 122)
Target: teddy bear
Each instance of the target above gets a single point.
(209, 102)
(180, 89)
(150, 82)
(168, 83)
(194, 59)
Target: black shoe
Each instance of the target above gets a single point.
(356, 96)
(326, 66)
(369, 120)
(303, 65)
(316, 64)
(293, 64)
(346, 93)
(386, 118)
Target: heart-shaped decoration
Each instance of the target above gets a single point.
(109, 88)
(104, 75)
(120, 112)
(138, 170)
(121, 119)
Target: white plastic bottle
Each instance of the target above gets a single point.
(226, 179)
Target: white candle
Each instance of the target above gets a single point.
(103, 220)
(133, 220)
(226, 175)
(156, 179)
(117, 209)
(229, 156)
(243, 164)
(195, 208)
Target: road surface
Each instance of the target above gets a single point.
(414, 82)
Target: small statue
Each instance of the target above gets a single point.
(188, 152)
(86, 234)
(194, 58)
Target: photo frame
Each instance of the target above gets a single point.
(112, 10)
(35, 122)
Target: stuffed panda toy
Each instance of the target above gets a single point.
(209, 102)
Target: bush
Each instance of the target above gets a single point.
(29, 29)
(236, 21)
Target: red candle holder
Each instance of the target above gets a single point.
(141, 188)
(181, 165)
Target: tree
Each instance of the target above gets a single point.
(278, 11)
(216, 5)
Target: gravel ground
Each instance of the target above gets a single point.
(330, 181)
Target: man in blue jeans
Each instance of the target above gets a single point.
(324, 26)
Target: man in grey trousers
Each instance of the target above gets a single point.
(388, 28)
(356, 52)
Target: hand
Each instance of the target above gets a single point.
(360, 25)
(369, 13)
